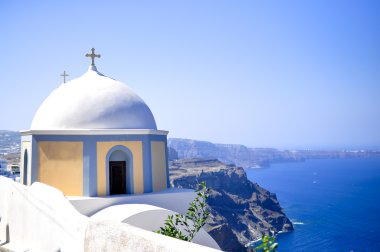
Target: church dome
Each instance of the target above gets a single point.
(93, 101)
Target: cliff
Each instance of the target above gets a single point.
(241, 155)
(241, 211)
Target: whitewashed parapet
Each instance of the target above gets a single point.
(115, 236)
(40, 218)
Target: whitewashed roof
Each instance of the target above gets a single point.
(93, 101)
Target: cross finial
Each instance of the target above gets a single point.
(64, 76)
(92, 55)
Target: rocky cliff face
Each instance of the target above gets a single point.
(241, 211)
(254, 157)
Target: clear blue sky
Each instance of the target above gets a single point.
(286, 74)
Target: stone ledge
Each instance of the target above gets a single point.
(115, 236)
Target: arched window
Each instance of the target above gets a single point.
(119, 171)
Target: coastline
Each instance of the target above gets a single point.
(321, 211)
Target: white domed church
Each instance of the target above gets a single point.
(93, 136)
(94, 174)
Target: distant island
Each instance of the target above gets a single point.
(246, 157)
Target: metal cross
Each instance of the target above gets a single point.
(92, 55)
(64, 76)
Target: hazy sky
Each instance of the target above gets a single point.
(286, 74)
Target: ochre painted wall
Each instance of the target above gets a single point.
(25, 145)
(136, 148)
(60, 164)
(158, 150)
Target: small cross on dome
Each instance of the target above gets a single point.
(92, 56)
(64, 76)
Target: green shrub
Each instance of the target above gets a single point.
(197, 213)
(268, 244)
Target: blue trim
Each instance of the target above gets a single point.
(27, 138)
(147, 166)
(99, 138)
(129, 162)
(86, 173)
(167, 163)
(89, 168)
(34, 163)
(93, 152)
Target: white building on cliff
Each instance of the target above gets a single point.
(93, 162)
(93, 136)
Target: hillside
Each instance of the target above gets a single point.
(241, 155)
(241, 211)
(10, 145)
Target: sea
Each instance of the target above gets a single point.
(334, 204)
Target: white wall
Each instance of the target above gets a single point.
(115, 236)
(40, 218)
(148, 217)
(175, 199)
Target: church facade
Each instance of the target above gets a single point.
(93, 136)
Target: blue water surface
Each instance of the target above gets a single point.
(334, 203)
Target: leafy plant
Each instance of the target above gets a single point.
(268, 244)
(194, 219)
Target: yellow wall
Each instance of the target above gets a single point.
(136, 148)
(60, 164)
(26, 145)
(158, 150)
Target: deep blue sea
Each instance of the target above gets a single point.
(334, 203)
